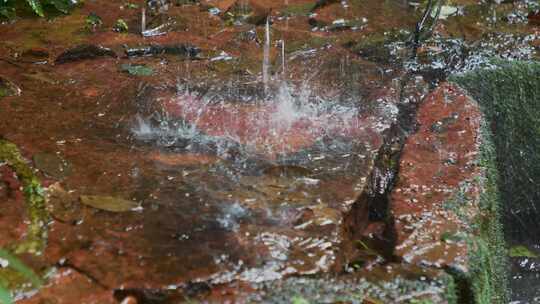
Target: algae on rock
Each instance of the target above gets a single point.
(489, 262)
(508, 94)
(15, 274)
(35, 199)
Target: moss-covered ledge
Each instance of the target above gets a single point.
(445, 203)
(14, 274)
(38, 216)
(508, 92)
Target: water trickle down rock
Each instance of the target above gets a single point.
(266, 57)
(443, 200)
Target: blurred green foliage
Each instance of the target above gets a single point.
(10, 261)
(10, 8)
(120, 26)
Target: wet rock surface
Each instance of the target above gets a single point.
(435, 165)
(199, 181)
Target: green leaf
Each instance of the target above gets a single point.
(131, 5)
(138, 70)
(62, 5)
(93, 20)
(19, 266)
(5, 296)
(299, 300)
(120, 26)
(36, 7)
(521, 252)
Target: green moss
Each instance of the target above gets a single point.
(508, 93)
(491, 239)
(485, 282)
(35, 200)
(451, 290)
(17, 275)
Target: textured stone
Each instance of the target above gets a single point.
(437, 165)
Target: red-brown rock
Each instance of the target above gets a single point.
(435, 164)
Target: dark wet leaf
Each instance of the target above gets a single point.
(108, 203)
(138, 70)
(185, 50)
(521, 252)
(35, 56)
(323, 3)
(84, 51)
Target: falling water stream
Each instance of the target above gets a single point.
(266, 56)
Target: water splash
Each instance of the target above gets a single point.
(283, 60)
(291, 118)
(266, 56)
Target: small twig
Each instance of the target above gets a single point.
(419, 30)
(93, 279)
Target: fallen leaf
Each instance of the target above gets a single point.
(108, 203)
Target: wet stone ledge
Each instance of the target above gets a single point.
(443, 223)
(445, 203)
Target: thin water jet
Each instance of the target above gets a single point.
(266, 56)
